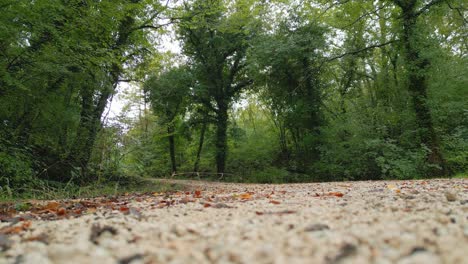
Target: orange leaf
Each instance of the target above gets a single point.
(61, 211)
(337, 194)
(197, 194)
(207, 205)
(124, 209)
(15, 229)
(52, 206)
(246, 196)
(91, 210)
(275, 202)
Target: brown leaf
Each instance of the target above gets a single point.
(246, 196)
(44, 238)
(197, 194)
(53, 206)
(61, 211)
(337, 194)
(124, 209)
(206, 205)
(275, 202)
(91, 210)
(9, 230)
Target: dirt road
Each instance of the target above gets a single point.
(345, 222)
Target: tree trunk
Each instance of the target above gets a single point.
(200, 147)
(221, 137)
(88, 128)
(91, 113)
(170, 131)
(417, 81)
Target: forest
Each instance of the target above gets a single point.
(265, 91)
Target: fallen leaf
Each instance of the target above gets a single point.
(44, 238)
(337, 194)
(393, 188)
(91, 210)
(197, 194)
(9, 230)
(52, 206)
(61, 211)
(124, 209)
(275, 202)
(186, 199)
(245, 196)
(206, 205)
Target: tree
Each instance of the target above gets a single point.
(292, 85)
(169, 93)
(413, 39)
(215, 38)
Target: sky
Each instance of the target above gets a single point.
(118, 102)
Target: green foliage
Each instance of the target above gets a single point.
(284, 92)
(16, 169)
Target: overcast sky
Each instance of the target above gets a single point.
(115, 107)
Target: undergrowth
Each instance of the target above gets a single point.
(50, 190)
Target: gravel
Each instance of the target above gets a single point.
(339, 222)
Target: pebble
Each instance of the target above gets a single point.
(451, 197)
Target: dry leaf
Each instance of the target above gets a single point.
(9, 230)
(245, 196)
(337, 194)
(61, 211)
(275, 202)
(52, 206)
(124, 209)
(44, 238)
(197, 194)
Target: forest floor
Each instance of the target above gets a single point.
(339, 222)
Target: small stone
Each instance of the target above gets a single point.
(34, 257)
(221, 205)
(316, 227)
(97, 231)
(5, 243)
(347, 250)
(450, 196)
(420, 257)
(131, 259)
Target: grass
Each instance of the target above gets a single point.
(463, 175)
(44, 190)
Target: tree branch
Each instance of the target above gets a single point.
(459, 11)
(428, 6)
(354, 52)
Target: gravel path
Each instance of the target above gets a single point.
(345, 222)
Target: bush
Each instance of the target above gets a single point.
(16, 168)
